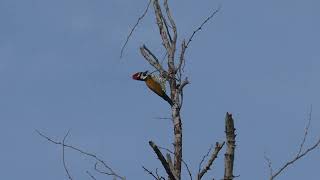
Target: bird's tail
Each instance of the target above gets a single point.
(166, 97)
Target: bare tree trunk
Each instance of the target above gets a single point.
(177, 140)
(231, 145)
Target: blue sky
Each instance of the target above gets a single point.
(60, 70)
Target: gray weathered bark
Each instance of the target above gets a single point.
(231, 145)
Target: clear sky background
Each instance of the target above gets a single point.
(60, 69)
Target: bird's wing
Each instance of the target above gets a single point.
(160, 80)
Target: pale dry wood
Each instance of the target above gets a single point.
(231, 145)
(184, 162)
(213, 156)
(176, 83)
(177, 136)
(171, 51)
(181, 59)
(153, 61)
(162, 160)
(173, 24)
(161, 26)
(170, 47)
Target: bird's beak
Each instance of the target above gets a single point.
(136, 76)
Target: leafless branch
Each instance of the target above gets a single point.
(155, 176)
(306, 130)
(170, 162)
(95, 157)
(203, 23)
(169, 41)
(150, 172)
(183, 84)
(204, 158)
(90, 175)
(173, 24)
(160, 23)
(158, 176)
(268, 160)
(185, 164)
(134, 27)
(153, 60)
(182, 59)
(63, 156)
(162, 160)
(104, 172)
(295, 159)
(231, 145)
(163, 118)
(166, 25)
(300, 153)
(213, 156)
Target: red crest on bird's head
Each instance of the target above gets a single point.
(140, 76)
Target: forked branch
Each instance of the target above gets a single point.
(203, 23)
(163, 161)
(63, 156)
(301, 153)
(213, 156)
(134, 27)
(161, 25)
(153, 60)
(109, 171)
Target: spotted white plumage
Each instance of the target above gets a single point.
(160, 80)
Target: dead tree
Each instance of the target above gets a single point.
(173, 75)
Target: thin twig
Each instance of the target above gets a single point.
(185, 164)
(158, 176)
(203, 23)
(268, 160)
(300, 153)
(306, 130)
(134, 27)
(296, 158)
(63, 156)
(90, 175)
(112, 172)
(213, 157)
(204, 158)
(150, 173)
(163, 118)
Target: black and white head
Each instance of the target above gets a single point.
(140, 76)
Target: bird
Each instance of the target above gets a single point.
(154, 83)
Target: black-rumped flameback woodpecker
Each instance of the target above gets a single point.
(155, 83)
